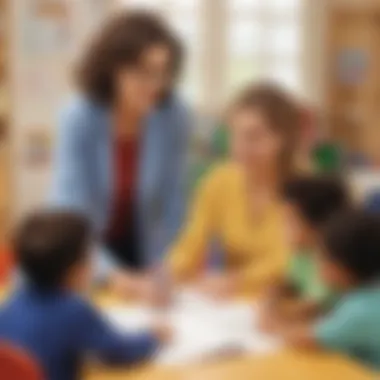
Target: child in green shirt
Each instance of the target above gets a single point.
(350, 264)
(310, 202)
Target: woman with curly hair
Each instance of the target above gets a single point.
(122, 145)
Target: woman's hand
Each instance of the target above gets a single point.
(268, 319)
(122, 283)
(218, 285)
(163, 332)
(141, 287)
(130, 285)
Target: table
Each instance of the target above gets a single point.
(284, 365)
(287, 365)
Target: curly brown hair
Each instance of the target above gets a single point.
(120, 43)
(281, 111)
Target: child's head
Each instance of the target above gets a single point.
(265, 123)
(351, 249)
(51, 249)
(312, 200)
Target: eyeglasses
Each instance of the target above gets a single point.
(152, 76)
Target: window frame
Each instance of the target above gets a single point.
(213, 60)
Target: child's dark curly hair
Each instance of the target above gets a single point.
(352, 239)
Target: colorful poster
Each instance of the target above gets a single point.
(46, 26)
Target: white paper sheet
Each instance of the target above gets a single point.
(202, 328)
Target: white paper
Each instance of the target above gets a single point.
(202, 328)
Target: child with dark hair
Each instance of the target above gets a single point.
(47, 317)
(310, 203)
(349, 263)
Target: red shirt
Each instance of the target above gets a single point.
(122, 203)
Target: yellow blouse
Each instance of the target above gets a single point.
(255, 248)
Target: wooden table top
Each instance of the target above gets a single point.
(285, 365)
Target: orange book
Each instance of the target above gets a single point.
(6, 264)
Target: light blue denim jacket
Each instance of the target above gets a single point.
(83, 173)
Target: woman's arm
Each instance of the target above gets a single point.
(187, 256)
(175, 185)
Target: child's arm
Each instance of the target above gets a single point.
(342, 331)
(281, 290)
(303, 310)
(274, 303)
(278, 293)
(97, 337)
(298, 335)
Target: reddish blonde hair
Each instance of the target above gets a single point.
(281, 111)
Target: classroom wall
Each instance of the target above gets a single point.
(40, 83)
(315, 15)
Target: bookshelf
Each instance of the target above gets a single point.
(353, 76)
(4, 118)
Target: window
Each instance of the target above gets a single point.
(256, 39)
(264, 41)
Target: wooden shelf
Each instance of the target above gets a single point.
(353, 104)
(5, 193)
